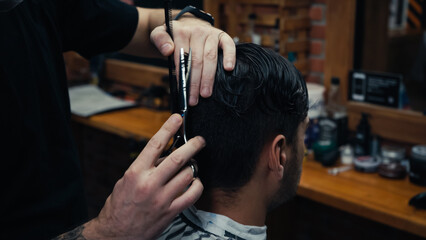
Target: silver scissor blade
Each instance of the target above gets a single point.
(182, 65)
(188, 65)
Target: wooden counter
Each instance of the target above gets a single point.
(136, 123)
(367, 195)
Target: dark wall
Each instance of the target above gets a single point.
(176, 3)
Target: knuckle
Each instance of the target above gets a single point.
(211, 54)
(159, 206)
(196, 61)
(177, 158)
(155, 34)
(195, 84)
(155, 143)
(200, 31)
(191, 199)
(189, 175)
(226, 39)
(182, 32)
(207, 79)
(130, 175)
(119, 184)
(229, 49)
(145, 189)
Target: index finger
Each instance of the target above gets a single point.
(153, 149)
(229, 51)
(168, 168)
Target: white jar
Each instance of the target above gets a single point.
(316, 99)
(347, 155)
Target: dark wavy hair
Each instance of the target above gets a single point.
(263, 96)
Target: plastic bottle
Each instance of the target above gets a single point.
(276, 35)
(316, 106)
(333, 127)
(337, 112)
(362, 137)
(254, 37)
(325, 148)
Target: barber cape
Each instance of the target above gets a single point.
(197, 224)
(6, 5)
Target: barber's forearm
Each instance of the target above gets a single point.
(75, 234)
(141, 45)
(91, 230)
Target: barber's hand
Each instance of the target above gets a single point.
(148, 197)
(204, 40)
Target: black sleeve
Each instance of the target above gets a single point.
(91, 27)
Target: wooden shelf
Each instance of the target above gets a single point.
(134, 74)
(364, 194)
(262, 20)
(296, 24)
(287, 3)
(292, 15)
(135, 123)
(404, 32)
(399, 125)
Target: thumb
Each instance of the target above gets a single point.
(162, 40)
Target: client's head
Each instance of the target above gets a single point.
(253, 125)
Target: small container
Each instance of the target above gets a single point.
(366, 164)
(392, 154)
(325, 153)
(418, 165)
(347, 155)
(394, 170)
(391, 167)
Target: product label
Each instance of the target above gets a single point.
(328, 131)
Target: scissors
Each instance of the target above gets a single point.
(182, 97)
(179, 90)
(183, 88)
(182, 106)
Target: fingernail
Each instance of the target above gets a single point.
(165, 48)
(205, 91)
(193, 101)
(229, 65)
(201, 139)
(176, 118)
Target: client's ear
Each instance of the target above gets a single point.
(277, 156)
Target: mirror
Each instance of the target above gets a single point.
(390, 37)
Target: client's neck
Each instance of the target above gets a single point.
(245, 206)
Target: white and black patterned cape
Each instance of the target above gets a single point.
(194, 224)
